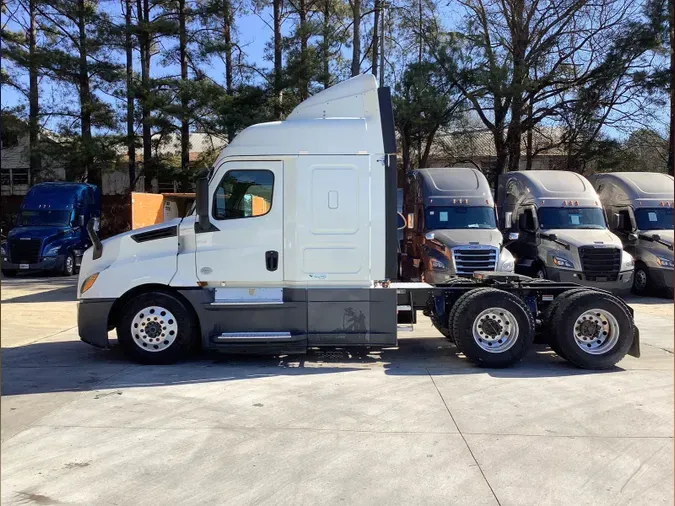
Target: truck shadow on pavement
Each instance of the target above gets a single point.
(65, 294)
(70, 366)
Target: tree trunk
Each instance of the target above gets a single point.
(93, 174)
(144, 45)
(383, 23)
(420, 39)
(376, 35)
(184, 98)
(671, 151)
(356, 42)
(325, 45)
(131, 139)
(277, 7)
(33, 95)
(519, 37)
(303, 85)
(529, 140)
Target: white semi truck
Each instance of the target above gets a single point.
(293, 245)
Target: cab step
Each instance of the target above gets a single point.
(252, 343)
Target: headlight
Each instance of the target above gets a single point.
(88, 283)
(563, 262)
(506, 261)
(665, 262)
(52, 250)
(438, 265)
(627, 261)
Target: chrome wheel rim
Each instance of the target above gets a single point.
(154, 329)
(69, 265)
(596, 331)
(540, 274)
(495, 330)
(640, 280)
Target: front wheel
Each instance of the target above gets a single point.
(593, 330)
(69, 265)
(492, 327)
(157, 328)
(640, 280)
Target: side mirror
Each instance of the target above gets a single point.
(411, 220)
(81, 220)
(620, 221)
(513, 236)
(508, 220)
(202, 203)
(430, 236)
(401, 221)
(632, 238)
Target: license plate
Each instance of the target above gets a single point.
(24, 266)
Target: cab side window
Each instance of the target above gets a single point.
(243, 194)
(526, 220)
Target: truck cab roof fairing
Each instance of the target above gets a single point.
(344, 119)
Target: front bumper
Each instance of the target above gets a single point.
(662, 278)
(45, 264)
(92, 321)
(622, 285)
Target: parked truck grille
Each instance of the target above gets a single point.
(25, 251)
(469, 259)
(600, 263)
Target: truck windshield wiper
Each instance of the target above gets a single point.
(554, 238)
(656, 238)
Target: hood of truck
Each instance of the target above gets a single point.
(465, 236)
(648, 250)
(37, 232)
(585, 237)
(127, 262)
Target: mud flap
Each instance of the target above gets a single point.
(634, 350)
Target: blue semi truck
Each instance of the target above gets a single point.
(50, 231)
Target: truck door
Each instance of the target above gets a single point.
(245, 245)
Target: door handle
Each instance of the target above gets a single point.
(272, 260)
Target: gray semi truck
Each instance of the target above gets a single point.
(639, 209)
(560, 230)
(451, 226)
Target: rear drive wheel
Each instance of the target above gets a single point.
(593, 330)
(493, 328)
(547, 318)
(156, 328)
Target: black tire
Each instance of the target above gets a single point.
(539, 267)
(443, 330)
(68, 265)
(547, 317)
(571, 308)
(186, 334)
(467, 309)
(641, 280)
(8, 273)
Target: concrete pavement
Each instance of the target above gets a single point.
(416, 425)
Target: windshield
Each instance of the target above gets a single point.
(459, 217)
(565, 218)
(658, 218)
(44, 217)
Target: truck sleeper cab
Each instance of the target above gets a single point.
(451, 226)
(561, 230)
(293, 244)
(639, 208)
(50, 233)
